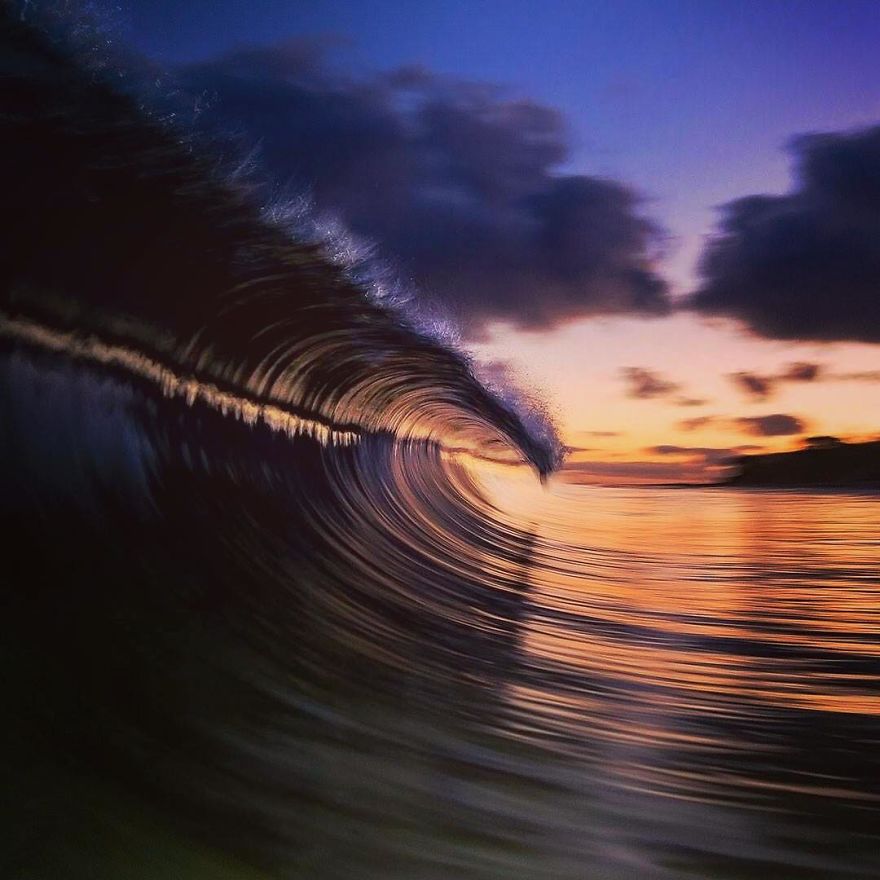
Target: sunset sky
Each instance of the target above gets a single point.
(551, 172)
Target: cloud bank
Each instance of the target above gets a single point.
(772, 425)
(805, 265)
(458, 184)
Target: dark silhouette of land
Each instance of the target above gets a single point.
(824, 461)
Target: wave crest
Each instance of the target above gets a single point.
(128, 250)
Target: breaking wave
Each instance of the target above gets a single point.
(128, 251)
(281, 597)
(233, 487)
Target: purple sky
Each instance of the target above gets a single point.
(518, 209)
(689, 102)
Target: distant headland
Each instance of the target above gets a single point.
(824, 461)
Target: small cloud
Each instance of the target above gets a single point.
(696, 423)
(690, 401)
(801, 371)
(600, 433)
(645, 384)
(669, 449)
(862, 376)
(823, 441)
(773, 425)
(753, 385)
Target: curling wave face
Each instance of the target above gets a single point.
(216, 627)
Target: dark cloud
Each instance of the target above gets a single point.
(801, 371)
(690, 401)
(457, 183)
(805, 265)
(645, 384)
(774, 425)
(758, 387)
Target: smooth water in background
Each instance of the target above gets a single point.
(705, 664)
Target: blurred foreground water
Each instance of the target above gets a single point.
(232, 654)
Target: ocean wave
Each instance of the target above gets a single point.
(216, 597)
(128, 250)
(234, 493)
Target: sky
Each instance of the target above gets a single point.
(551, 173)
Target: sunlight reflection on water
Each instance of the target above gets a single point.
(709, 647)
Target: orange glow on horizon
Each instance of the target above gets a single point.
(578, 369)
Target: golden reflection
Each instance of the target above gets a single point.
(667, 624)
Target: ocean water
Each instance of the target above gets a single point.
(285, 594)
(232, 653)
(708, 660)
